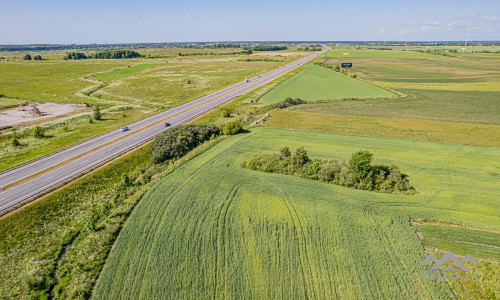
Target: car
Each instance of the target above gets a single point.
(166, 124)
(125, 128)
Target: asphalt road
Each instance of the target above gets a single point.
(81, 157)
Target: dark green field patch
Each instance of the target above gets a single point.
(317, 83)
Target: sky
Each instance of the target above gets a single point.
(140, 21)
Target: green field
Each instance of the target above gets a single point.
(215, 230)
(317, 83)
(457, 89)
(409, 129)
(120, 73)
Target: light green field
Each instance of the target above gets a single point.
(462, 89)
(215, 230)
(409, 129)
(317, 83)
(120, 73)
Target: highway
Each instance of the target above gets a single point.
(45, 173)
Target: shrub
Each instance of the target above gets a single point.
(15, 142)
(126, 180)
(37, 57)
(90, 120)
(225, 113)
(232, 128)
(38, 132)
(27, 57)
(97, 114)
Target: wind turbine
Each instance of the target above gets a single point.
(466, 38)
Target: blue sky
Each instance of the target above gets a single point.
(112, 21)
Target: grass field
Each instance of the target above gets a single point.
(317, 83)
(120, 73)
(215, 230)
(451, 89)
(420, 130)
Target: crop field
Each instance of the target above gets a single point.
(420, 130)
(215, 230)
(120, 73)
(462, 89)
(317, 83)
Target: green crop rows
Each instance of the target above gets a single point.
(215, 230)
(317, 83)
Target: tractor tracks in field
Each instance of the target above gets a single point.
(221, 243)
(304, 257)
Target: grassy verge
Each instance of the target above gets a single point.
(420, 130)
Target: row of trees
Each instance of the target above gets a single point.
(358, 173)
(119, 54)
(266, 48)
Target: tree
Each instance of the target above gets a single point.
(232, 128)
(360, 163)
(300, 157)
(38, 132)
(37, 57)
(27, 57)
(97, 114)
(285, 152)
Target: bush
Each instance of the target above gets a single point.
(126, 180)
(38, 132)
(15, 142)
(179, 140)
(27, 57)
(225, 113)
(37, 57)
(232, 128)
(90, 120)
(97, 114)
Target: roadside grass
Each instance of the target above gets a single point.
(420, 130)
(215, 230)
(484, 246)
(318, 83)
(60, 133)
(120, 73)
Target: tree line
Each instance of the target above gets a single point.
(357, 173)
(118, 54)
(265, 48)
